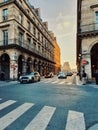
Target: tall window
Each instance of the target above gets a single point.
(38, 36)
(20, 18)
(20, 2)
(4, 14)
(34, 44)
(5, 37)
(20, 38)
(28, 43)
(28, 25)
(96, 20)
(34, 31)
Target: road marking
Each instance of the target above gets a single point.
(7, 103)
(42, 119)
(53, 82)
(62, 82)
(13, 115)
(94, 127)
(75, 121)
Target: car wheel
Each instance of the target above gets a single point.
(39, 79)
(32, 80)
(21, 82)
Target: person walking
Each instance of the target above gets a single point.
(84, 77)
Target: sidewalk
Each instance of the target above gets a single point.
(79, 82)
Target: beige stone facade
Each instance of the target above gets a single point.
(25, 42)
(57, 54)
(87, 36)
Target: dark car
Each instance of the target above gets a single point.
(49, 75)
(69, 73)
(31, 77)
(62, 75)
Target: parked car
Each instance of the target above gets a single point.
(69, 73)
(31, 77)
(49, 75)
(62, 75)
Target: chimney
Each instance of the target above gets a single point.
(45, 24)
(37, 10)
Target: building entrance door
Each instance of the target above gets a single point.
(5, 66)
(94, 59)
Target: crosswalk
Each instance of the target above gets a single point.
(75, 120)
(67, 81)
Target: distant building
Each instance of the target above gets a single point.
(66, 67)
(25, 41)
(57, 54)
(87, 36)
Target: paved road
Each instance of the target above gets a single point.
(51, 104)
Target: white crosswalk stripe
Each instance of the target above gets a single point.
(7, 103)
(75, 121)
(41, 121)
(13, 115)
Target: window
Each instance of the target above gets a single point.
(5, 37)
(20, 38)
(96, 20)
(20, 2)
(28, 25)
(20, 18)
(34, 31)
(27, 11)
(34, 43)
(39, 48)
(38, 36)
(28, 43)
(4, 14)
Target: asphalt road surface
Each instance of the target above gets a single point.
(51, 104)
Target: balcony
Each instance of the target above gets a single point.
(88, 29)
(23, 46)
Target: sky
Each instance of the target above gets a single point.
(61, 18)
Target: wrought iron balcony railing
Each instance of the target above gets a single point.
(24, 45)
(88, 28)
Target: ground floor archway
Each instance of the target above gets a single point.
(5, 66)
(94, 59)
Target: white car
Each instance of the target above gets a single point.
(31, 77)
(62, 75)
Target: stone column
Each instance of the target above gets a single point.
(24, 67)
(13, 67)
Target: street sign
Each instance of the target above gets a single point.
(84, 62)
(13, 66)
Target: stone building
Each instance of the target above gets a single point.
(57, 54)
(87, 36)
(25, 42)
(66, 67)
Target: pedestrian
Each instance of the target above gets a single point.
(19, 74)
(84, 77)
(96, 76)
(2, 76)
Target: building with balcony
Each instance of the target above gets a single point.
(87, 36)
(25, 42)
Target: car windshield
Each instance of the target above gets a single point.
(31, 73)
(61, 72)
